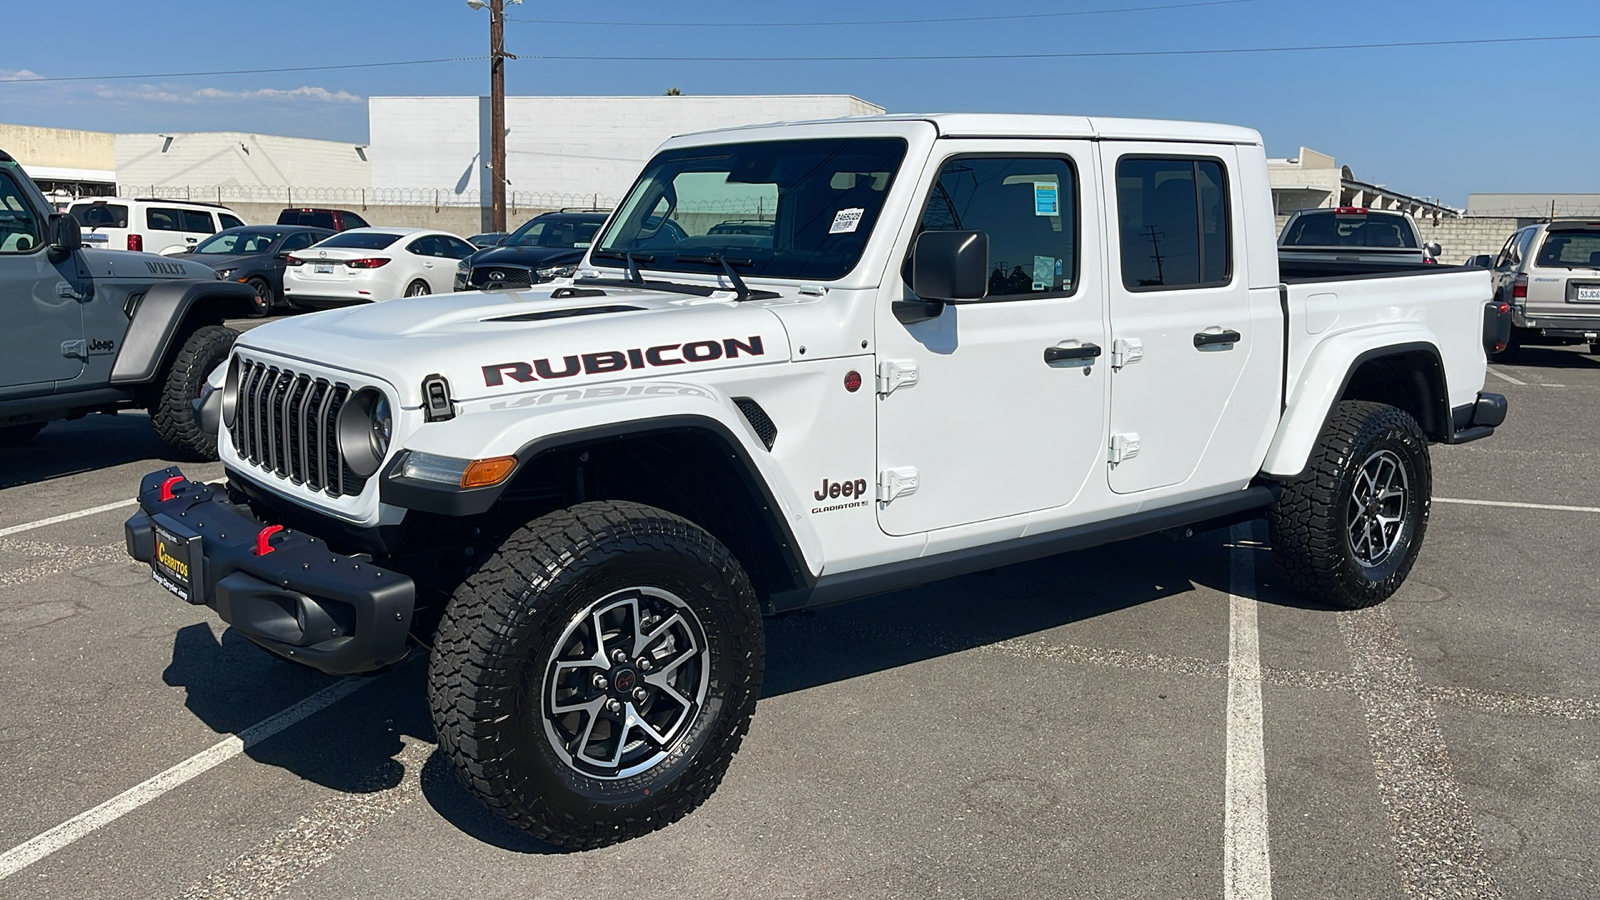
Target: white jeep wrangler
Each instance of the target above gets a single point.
(934, 345)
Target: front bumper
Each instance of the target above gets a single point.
(300, 600)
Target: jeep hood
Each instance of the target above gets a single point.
(497, 344)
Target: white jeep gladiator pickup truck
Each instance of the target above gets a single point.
(934, 345)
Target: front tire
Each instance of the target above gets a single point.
(263, 302)
(173, 415)
(592, 682)
(1347, 530)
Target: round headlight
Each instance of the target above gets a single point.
(366, 425)
(230, 393)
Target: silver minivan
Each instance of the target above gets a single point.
(1550, 274)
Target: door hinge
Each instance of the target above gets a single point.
(75, 349)
(896, 373)
(1124, 447)
(1125, 351)
(894, 483)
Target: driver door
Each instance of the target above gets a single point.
(971, 415)
(43, 316)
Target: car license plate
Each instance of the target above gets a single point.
(1589, 293)
(322, 270)
(173, 565)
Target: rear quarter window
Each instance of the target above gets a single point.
(100, 215)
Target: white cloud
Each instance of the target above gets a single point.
(124, 92)
(315, 94)
(18, 75)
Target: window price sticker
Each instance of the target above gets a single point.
(1046, 199)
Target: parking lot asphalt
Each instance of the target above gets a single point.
(1078, 726)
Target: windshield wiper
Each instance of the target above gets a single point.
(628, 257)
(714, 259)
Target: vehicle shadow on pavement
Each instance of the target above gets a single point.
(1535, 356)
(84, 445)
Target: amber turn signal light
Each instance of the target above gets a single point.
(488, 472)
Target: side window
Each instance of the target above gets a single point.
(1174, 223)
(351, 220)
(1525, 243)
(229, 221)
(163, 219)
(1029, 208)
(423, 246)
(19, 224)
(198, 221)
(1508, 253)
(458, 249)
(298, 241)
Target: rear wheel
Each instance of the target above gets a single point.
(592, 682)
(17, 435)
(1594, 348)
(418, 288)
(1347, 530)
(174, 414)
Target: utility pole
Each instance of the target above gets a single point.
(497, 107)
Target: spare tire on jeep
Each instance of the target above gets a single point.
(173, 412)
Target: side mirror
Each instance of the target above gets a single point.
(1433, 249)
(66, 237)
(951, 266)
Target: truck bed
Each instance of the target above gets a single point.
(1295, 268)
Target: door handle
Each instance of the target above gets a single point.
(1062, 354)
(1206, 338)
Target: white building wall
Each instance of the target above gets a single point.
(201, 160)
(559, 150)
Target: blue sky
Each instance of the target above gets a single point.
(1441, 121)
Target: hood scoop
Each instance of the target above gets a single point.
(564, 313)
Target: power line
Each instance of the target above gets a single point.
(1053, 15)
(1096, 54)
(376, 65)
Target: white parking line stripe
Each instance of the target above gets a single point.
(1437, 849)
(1499, 374)
(1514, 505)
(83, 824)
(1247, 865)
(66, 517)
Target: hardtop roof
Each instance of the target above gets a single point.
(954, 125)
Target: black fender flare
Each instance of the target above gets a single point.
(159, 321)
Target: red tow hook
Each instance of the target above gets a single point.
(263, 538)
(166, 487)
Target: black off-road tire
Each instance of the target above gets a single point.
(499, 639)
(17, 435)
(1311, 520)
(173, 414)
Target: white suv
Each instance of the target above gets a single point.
(153, 226)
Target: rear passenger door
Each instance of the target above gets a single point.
(1180, 308)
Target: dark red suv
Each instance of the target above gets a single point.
(335, 219)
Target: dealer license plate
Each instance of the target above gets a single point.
(173, 564)
(322, 270)
(1589, 293)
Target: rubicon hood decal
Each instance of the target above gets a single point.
(607, 361)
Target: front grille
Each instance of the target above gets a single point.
(509, 275)
(286, 424)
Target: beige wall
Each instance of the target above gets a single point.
(202, 160)
(58, 147)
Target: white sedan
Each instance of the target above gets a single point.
(364, 265)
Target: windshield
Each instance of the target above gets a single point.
(1570, 249)
(564, 234)
(238, 242)
(100, 215)
(780, 209)
(359, 240)
(1333, 228)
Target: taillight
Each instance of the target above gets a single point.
(371, 262)
(1351, 211)
(1519, 288)
(1428, 260)
(1505, 308)
(294, 261)
(136, 242)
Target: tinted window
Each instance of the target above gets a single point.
(455, 248)
(424, 246)
(1174, 223)
(565, 234)
(238, 242)
(100, 215)
(1029, 209)
(822, 196)
(351, 220)
(297, 241)
(1341, 229)
(229, 221)
(312, 219)
(361, 240)
(1570, 248)
(198, 221)
(19, 225)
(163, 219)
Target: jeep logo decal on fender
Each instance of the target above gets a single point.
(853, 492)
(618, 360)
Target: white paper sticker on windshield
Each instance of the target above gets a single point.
(845, 221)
